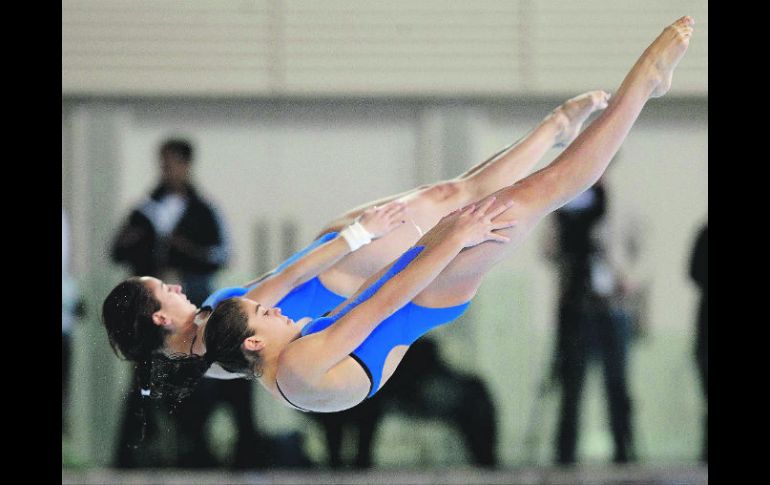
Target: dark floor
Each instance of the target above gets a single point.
(585, 475)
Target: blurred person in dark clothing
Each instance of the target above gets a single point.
(69, 296)
(591, 324)
(177, 234)
(699, 273)
(175, 230)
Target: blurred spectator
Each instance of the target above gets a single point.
(177, 235)
(422, 387)
(699, 272)
(593, 319)
(69, 312)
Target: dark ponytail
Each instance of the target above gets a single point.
(140, 386)
(174, 377)
(166, 380)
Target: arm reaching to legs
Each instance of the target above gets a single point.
(372, 224)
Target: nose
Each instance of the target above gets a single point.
(277, 311)
(177, 288)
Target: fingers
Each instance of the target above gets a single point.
(493, 236)
(485, 205)
(496, 226)
(395, 214)
(500, 209)
(396, 210)
(390, 208)
(486, 208)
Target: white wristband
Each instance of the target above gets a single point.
(356, 235)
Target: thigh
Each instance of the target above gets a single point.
(425, 207)
(460, 280)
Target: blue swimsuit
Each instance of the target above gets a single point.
(403, 327)
(310, 299)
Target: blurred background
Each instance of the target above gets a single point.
(299, 110)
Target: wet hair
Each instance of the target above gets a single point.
(226, 329)
(127, 316)
(174, 377)
(162, 383)
(177, 146)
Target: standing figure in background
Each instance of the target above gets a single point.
(699, 272)
(175, 233)
(591, 322)
(178, 235)
(69, 312)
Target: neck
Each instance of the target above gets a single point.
(182, 340)
(200, 326)
(179, 188)
(269, 362)
(269, 357)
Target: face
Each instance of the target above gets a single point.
(268, 324)
(175, 309)
(175, 170)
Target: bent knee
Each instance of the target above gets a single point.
(447, 190)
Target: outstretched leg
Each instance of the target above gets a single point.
(558, 129)
(427, 204)
(572, 172)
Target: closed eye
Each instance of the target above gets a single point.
(260, 306)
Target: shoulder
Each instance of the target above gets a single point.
(339, 387)
(294, 369)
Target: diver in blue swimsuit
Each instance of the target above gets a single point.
(404, 327)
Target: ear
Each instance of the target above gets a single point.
(160, 319)
(254, 344)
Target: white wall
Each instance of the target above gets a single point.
(365, 47)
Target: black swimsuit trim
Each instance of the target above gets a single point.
(357, 359)
(368, 373)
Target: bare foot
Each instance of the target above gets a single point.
(662, 56)
(573, 112)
